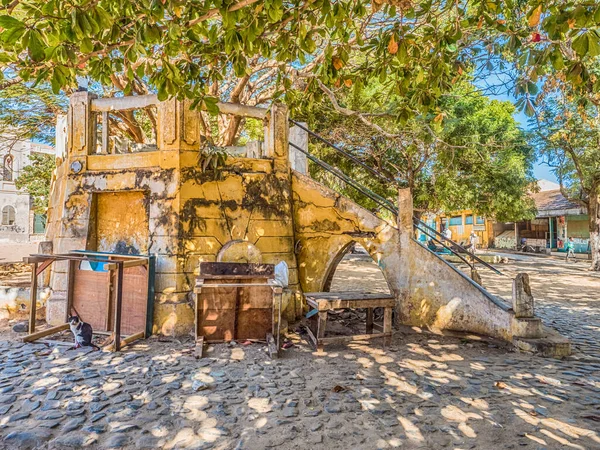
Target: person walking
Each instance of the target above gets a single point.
(473, 239)
(570, 247)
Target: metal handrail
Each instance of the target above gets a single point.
(345, 178)
(343, 152)
(384, 203)
(418, 222)
(454, 252)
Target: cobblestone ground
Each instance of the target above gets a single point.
(425, 391)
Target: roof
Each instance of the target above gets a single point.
(547, 185)
(552, 203)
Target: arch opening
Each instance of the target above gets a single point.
(355, 270)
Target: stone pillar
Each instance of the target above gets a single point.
(405, 215)
(298, 160)
(178, 126)
(80, 126)
(521, 297)
(277, 145)
(61, 137)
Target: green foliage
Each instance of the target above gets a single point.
(30, 112)
(35, 178)
(211, 158)
(568, 138)
(419, 49)
(475, 157)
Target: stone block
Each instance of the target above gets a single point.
(522, 299)
(167, 283)
(268, 244)
(56, 308)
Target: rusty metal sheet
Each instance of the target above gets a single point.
(90, 295)
(135, 300)
(235, 270)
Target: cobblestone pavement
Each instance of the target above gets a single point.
(425, 391)
(567, 297)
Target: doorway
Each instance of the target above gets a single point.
(121, 223)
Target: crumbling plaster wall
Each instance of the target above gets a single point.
(283, 215)
(430, 291)
(191, 214)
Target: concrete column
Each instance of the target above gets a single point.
(405, 213)
(277, 145)
(298, 160)
(178, 126)
(81, 126)
(521, 297)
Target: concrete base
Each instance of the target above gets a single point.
(551, 344)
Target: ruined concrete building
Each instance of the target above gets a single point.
(258, 209)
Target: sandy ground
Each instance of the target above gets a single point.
(15, 252)
(425, 391)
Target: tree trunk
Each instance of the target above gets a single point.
(594, 215)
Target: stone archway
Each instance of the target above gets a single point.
(355, 269)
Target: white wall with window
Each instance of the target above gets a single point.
(17, 220)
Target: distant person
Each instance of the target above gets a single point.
(447, 233)
(473, 239)
(570, 246)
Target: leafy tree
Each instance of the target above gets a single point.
(568, 137)
(29, 113)
(35, 178)
(473, 157)
(186, 48)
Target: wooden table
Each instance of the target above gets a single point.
(326, 301)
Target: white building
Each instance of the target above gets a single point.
(18, 223)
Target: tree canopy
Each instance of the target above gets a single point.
(421, 48)
(568, 138)
(474, 156)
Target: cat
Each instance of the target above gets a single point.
(82, 333)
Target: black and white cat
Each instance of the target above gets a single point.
(82, 332)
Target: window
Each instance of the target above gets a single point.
(480, 220)
(8, 215)
(8, 168)
(456, 220)
(39, 223)
(469, 220)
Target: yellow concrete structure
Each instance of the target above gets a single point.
(256, 209)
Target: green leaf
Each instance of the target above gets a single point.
(11, 37)
(86, 45)
(593, 44)
(581, 44)
(210, 103)
(9, 23)
(36, 47)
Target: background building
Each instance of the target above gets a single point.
(18, 223)
(462, 223)
(556, 220)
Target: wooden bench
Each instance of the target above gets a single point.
(321, 302)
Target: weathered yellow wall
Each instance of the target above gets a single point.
(162, 203)
(193, 216)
